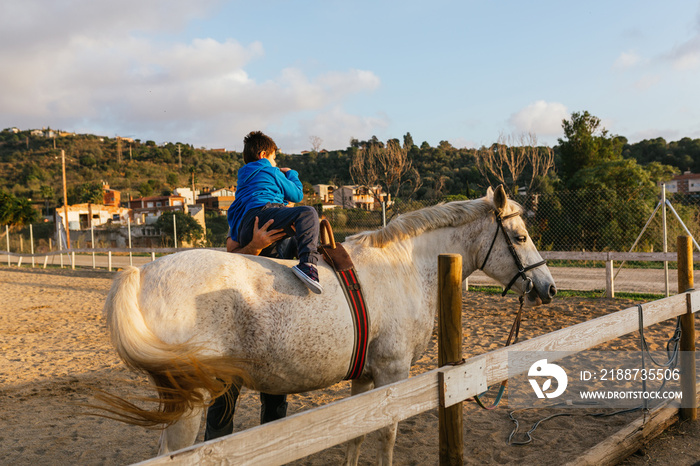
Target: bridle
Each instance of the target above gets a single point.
(513, 252)
(515, 329)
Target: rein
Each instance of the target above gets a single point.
(512, 339)
(515, 329)
(514, 253)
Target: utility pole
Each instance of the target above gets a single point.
(65, 198)
(179, 156)
(119, 150)
(194, 196)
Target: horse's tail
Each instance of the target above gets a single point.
(182, 373)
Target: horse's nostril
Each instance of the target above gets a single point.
(552, 291)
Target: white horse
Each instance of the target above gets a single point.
(198, 319)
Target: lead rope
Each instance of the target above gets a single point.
(512, 339)
(672, 348)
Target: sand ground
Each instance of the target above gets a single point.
(54, 350)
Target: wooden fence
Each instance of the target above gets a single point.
(312, 431)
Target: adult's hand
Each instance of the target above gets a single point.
(262, 238)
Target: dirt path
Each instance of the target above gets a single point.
(54, 350)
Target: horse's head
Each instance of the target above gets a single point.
(510, 256)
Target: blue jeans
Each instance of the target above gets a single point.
(303, 218)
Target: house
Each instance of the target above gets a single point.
(110, 197)
(358, 197)
(687, 183)
(217, 200)
(325, 194)
(188, 194)
(146, 210)
(86, 216)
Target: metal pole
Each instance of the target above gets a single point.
(668, 203)
(174, 231)
(128, 227)
(663, 217)
(65, 198)
(92, 239)
(7, 237)
(31, 242)
(383, 213)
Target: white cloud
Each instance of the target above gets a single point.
(685, 56)
(336, 127)
(645, 82)
(541, 118)
(627, 60)
(104, 69)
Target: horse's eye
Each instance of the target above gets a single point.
(522, 238)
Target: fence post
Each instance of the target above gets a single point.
(685, 282)
(109, 260)
(174, 231)
(92, 239)
(449, 351)
(609, 279)
(7, 237)
(31, 242)
(665, 236)
(128, 226)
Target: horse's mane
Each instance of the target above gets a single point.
(414, 223)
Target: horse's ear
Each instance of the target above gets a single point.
(500, 199)
(489, 192)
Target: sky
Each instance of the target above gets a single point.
(468, 72)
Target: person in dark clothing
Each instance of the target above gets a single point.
(263, 191)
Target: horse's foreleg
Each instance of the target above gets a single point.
(182, 434)
(352, 448)
(387, 435)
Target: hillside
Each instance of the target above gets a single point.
(30, 165)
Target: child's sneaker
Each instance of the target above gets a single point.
(309, 275)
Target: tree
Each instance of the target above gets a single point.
(48, 194)
(408, 141)
(188, 229)
(16, 212)
(587, 144)
(387, 167)
(316, 143)
(506, 162)
(86, 193)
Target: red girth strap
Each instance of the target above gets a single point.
(338, 258)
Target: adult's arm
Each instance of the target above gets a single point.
(262, 238)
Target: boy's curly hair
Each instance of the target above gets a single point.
(256, 142)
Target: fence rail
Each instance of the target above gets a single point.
(312, 431)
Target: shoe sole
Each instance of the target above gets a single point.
(310, 284)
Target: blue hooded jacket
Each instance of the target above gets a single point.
(259, 183)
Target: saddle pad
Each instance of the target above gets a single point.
(339, 259)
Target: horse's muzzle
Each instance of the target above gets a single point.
(536, 298)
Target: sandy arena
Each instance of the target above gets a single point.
(54, 350)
